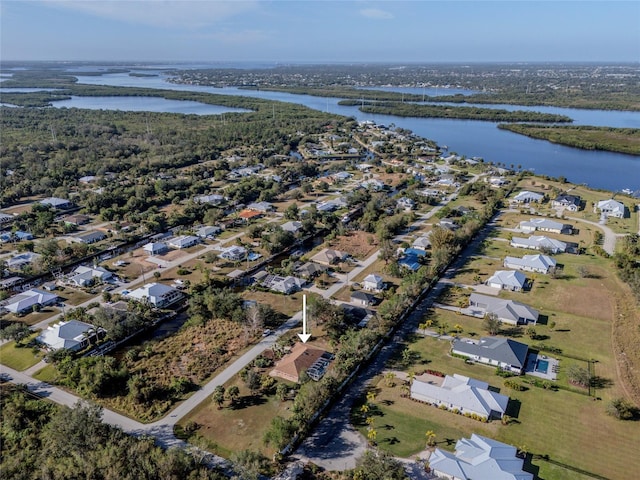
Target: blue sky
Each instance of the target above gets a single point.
(320, 31)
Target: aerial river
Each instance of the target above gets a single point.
(605, 170)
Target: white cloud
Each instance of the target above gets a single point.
(376, 13)
(160, 13)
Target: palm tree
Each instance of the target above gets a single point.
(411, 375)
(218, 396)
(458, 328)
(371, 396)
(405, 390)
(389, 377)
(364, 408)
(233, 393)
(430, 438)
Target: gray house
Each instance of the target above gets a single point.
(507, 311)
(531, 263)
(496, 351)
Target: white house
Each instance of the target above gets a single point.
(531, 263)
(84, 276)
(362, 298)
(539, 242)
(284, 285)
(373, 283)
(234, 253)
(25, 301)
(183, 241)
(422, 242)
(72, 335)
(292, 226)
(545, 225)
(157, 294)
(208, 231)
(508, 280)
(213, 199)
(464, 394)
(611, 208)
(507, 311)
(21, 260)
(494, 351)
(406, 203)
(526, 196)
(155, 248)
(478, 458)
(57, 203)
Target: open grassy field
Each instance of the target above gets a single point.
(238, 427)
(19, 357)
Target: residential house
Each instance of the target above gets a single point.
(406, 203)
(213, 199)
(341, 176)
(531, 263)
(329, 257)
(286, 285)
(90, 237)
(362, 298)
(310, 270)
(610, 208)
(572, 203)
(373, 184)
(156, 294)
(498, 181)
(6, 218)
(300, 359)
(26, 301)
(411, 258)
(478, 458)
(18, 262)
(422, 242)
(262, 207)
(235, 253)
(507, 311)
(526, 196)
(545, 225)
(16, 236)
(88, 179)
(183, 241)
(208, 231)
(155, 248)
(462, 394)
(77, 219)
(448, 224)
(495, 351)
(513, 280)
(57, 203)
(85, 276)
(293, 226)
(373, 283)
(71, 335)
(540, 242)
(10, 282)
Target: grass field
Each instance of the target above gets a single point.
(19, 357)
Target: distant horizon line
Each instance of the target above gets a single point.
(334, 62)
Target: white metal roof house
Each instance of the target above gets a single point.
(531, 263)
(25, 301)
(479, 458)
(208, 231)
(155, 248)
(72, 335)
(57, 203)
(526, 196)
(183, 241)
(21, 260)
(507, 311)
(157, 294)
(467, 395)
(539, 242)
(84, 276)
(508, 280)
(496, 351)
(292, 226)
(373, 283)
(611, 208)
(545, 225)
(213, 199)
(284, 285)
(89, 237)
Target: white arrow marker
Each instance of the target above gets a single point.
(304, 336)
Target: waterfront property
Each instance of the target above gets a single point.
(72, 335)
(300, 359)
(156, 294)
(155, 248)
(26, 302)
(526, 196)
(495, 351)
(462, 395)
(610, 208)
(479, 458)
(85, 276)
(571, 203)
(184, 241)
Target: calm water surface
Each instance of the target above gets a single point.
(604, 170)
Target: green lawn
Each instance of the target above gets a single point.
(19, 357)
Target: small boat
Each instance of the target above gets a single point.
(627, 191)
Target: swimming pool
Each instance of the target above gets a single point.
(542, 366)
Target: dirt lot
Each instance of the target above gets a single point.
(358, 244)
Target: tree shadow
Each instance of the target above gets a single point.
(600, 382)
(248, 401)
(387, 403)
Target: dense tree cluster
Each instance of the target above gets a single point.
(43, 440)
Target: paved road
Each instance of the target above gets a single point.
(610, 237)
(334, 444)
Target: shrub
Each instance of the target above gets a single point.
(622, 409)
